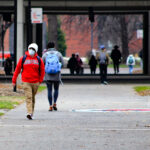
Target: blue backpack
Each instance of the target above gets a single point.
(52, 65)
(130, 61)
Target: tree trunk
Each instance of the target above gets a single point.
(52, 29)
(124, 38)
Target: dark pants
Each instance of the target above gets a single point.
(51, 96)
(78, 70)
(93, 70)
(103, 72)
(116, 67)
(72, 70)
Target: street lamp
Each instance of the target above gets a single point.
(91, 18)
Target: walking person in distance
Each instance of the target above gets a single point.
(53, 61)
(93, 64)
(103, 60)
(72, 64)
(116, 58)
(130, 63)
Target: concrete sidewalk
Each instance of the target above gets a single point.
(70, 130)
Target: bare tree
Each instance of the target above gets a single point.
(118, 29)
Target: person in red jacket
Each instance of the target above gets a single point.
(32, 75)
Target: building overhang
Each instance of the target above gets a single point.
(81, 6)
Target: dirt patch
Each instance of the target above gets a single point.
(7, 90)
(137, 71)
(2, 72)
(144, 93)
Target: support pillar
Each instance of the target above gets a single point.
(39, 38)
(147, 48)
(20, 29)
(34, 33)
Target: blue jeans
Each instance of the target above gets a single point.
(51, 96)
(130, 69)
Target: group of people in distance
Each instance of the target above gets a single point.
(75, 64)
(102, 58)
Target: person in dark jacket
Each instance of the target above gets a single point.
(92, 64)
(72, 64)
(116, 58)
(8, 66)
(79, 68)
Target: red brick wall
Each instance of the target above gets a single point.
(78, 36)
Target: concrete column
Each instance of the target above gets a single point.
(20, 35)
(20, 11)
(148, 65)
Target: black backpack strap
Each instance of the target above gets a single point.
(23, 60)
(39, 60)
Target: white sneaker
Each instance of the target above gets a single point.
(106, 83)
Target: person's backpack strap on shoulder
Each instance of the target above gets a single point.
(24, 58)
(39, 60)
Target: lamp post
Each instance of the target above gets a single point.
(91, 35)
(91, 18)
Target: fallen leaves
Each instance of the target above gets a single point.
(144, 93)
(7, 90)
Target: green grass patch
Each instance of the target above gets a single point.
(141, 88)
(41, 88)
(8, 104)
(1, 114)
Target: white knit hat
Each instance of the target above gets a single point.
(34, 46)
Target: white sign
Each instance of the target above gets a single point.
(36, 15)
(139, 34)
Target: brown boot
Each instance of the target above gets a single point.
(54, 107)
(50, 108)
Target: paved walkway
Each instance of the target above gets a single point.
(70, 130)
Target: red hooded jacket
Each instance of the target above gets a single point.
(30, 72)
